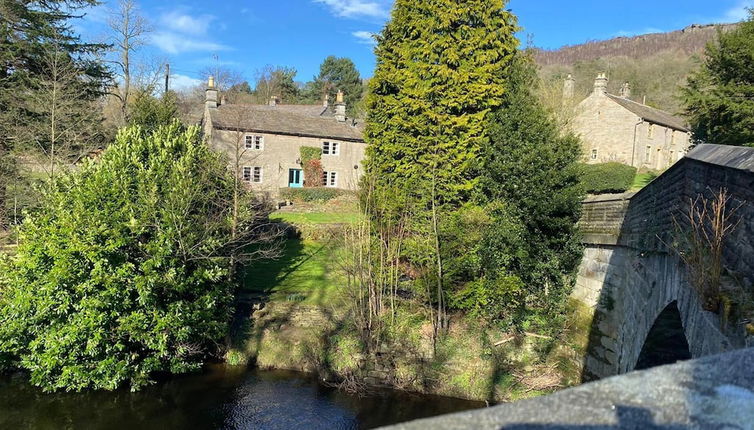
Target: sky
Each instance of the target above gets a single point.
(246, 35)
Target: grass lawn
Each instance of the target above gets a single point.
(642, 180)
(316, 217)
(304, 273)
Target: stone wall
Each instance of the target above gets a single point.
(280, 153)
(619, 135)
(628, 276)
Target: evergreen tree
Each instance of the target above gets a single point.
(336, 74)
(719, 97)
(531, 167)
(440, 69)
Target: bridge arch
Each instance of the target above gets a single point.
(666, 342)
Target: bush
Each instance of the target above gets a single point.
(607, 177)
(117, 275)
(309, 195)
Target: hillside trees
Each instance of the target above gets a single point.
(719, 97)
(122, 271)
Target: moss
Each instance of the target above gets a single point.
(236, 357)
(344, 356)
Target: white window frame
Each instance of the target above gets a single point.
(648, 154)
(330, 179)
(254, 142)
(257, 171)
(594, 154)
(330, 148)
(247, 173)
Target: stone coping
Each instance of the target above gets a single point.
(711, 392)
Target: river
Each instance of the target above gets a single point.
(218, 398)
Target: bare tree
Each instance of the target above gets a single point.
(129, 30)
(225, 77)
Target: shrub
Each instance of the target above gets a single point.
(607, 177)
(117, 275)
(309, 195)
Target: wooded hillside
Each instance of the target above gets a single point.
(656, 64)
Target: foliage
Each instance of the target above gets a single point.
(440, 69)
(719, 97)
(276, 81)
(310, 194)
(120, 273)
(311, 161)
(31, 34)
(529, 177)
(336, 74)
(607, 178)
(150, 113)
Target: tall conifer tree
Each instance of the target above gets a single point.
(440, 69)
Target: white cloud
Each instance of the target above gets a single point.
(365, 37)
(187, 24)
(180, 32)
(174, 43)
(182, 82)
(358, 8)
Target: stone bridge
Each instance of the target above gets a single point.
(636, 285)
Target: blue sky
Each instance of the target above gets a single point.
(246, 35)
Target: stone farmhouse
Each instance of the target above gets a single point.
(616, 128)
(263, 142)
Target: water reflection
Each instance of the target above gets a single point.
(217, 398)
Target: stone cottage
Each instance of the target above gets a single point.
(616, 128)
(263, 142)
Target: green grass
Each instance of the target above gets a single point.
(305, 272)
(316, 217)
(642, 180)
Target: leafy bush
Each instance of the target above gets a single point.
(309, 195)
(118, 275)
(607, 177)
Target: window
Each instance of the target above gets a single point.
(252, 174)
(330, 148)
(672, 137)
(648, 154)
(651, 131)
(594, 154)
(330, 179)
(254, 142)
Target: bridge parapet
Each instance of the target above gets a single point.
(628, 275)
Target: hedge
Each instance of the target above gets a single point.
(319, 194)
(607, 177)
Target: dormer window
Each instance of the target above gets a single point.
(330, 148)
(254, 142)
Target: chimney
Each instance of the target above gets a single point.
(569, 87)
(210, 100)
(340, 107)
(625, 91)
(326, 101)
(274, 100)
(600, 84)
(223, 100)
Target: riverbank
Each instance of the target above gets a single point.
(294, 314)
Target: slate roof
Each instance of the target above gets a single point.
(651, 114)
(293, 120)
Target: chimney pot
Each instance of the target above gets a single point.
(274, 100)
(625, 91)
(210, 99)
(340, 107)
(600, 84)
(326, 101)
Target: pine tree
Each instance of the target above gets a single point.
(336, 74)
(440, 69)
(719, 97)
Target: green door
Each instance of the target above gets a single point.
(295, 178)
